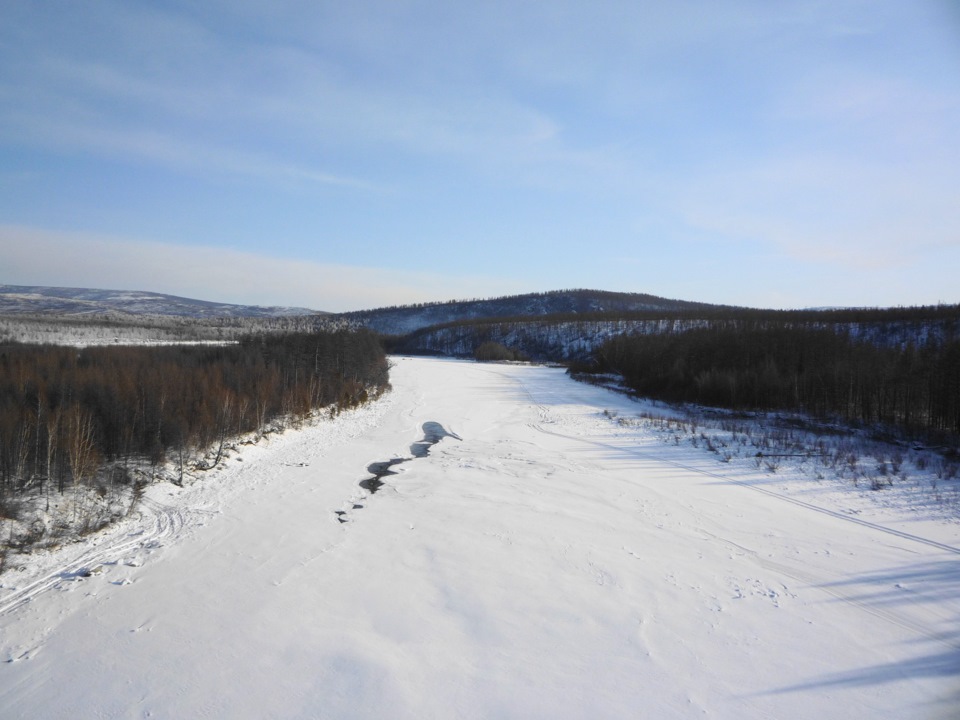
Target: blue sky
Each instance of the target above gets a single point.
(347, 155)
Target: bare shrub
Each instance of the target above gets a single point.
(896, 462)
(947, 469)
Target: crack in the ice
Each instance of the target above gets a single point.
(433, 432)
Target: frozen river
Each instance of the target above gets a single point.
(528, 558)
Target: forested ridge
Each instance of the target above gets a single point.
(577, 300)
(83, 417)
(408, 318)
(741, 316)
(574, 337)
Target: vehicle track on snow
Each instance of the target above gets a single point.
(167, 522)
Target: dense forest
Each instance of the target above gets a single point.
(71, 417)
(826, 373)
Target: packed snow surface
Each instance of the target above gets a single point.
(526, 557)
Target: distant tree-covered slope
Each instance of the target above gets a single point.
(39, 300)
(577, 336)
(402, 320)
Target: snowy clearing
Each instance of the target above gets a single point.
(531, 556)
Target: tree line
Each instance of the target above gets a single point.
(944, 319)
(823, 372)
(70, 416)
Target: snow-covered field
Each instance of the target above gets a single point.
(543, 560)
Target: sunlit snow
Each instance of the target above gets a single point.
(535, 559)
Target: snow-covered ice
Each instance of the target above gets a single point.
(539, 560)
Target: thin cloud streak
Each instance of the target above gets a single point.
(165, 149)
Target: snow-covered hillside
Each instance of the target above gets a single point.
(128, 329)
(564, 339)
(533, 556)
(22, 299)
(538, 338)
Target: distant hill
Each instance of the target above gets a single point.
(37, 300)
(410, 318)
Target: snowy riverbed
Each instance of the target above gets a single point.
(540, 560)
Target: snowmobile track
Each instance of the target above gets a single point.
(167, 522)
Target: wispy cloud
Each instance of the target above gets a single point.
(166, 149)
(272, 108)
(809, 131)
